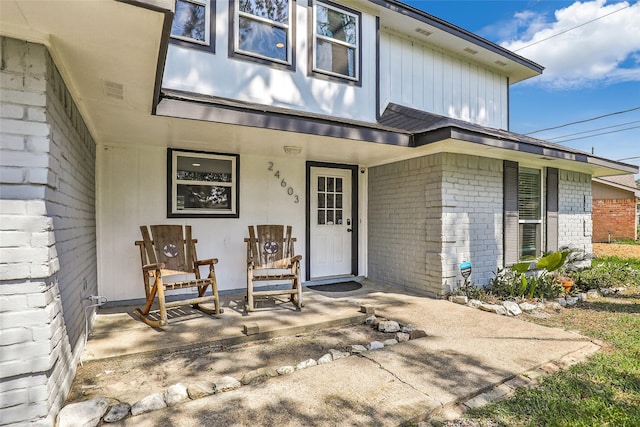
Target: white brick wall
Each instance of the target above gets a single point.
(47, 234)
(472, 217)
(574, 216)
(427, 215)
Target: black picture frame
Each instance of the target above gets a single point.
(202, 184)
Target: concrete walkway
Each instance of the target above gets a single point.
(469, 356)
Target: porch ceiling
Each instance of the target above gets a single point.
(111, 53)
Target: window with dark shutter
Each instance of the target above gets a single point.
(529, 212)
(510, 188)
(552, 210)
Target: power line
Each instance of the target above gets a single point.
(593, 130)
(584, 121)
(598, 134)
(571, 29)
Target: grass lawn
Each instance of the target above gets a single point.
(603, 391)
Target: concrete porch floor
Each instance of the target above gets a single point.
(467, 352)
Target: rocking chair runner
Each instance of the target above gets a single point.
(172, 252)
(270, 257)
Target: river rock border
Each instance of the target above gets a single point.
(91, 412)
(513, 308)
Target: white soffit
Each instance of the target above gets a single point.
(106, 50)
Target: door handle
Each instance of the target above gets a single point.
(349, 230)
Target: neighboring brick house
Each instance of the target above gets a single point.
(615, 208)
(379, 132)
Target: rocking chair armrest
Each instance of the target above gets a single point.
(296, 258)
(206, 261)
(157, 266)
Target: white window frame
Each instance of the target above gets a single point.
(287, 27)
(355, 47)
(540, 221)
(207, 23)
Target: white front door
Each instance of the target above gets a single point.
(331, 223)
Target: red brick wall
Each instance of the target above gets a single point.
(613, 216)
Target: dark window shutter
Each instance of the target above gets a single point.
(510, 219)
(552, 209)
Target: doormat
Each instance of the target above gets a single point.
(337, 287)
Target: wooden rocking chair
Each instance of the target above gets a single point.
(173, 253)
(270, 257)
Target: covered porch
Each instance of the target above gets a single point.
(466, 354)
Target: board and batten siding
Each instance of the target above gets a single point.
(132, 192)
(418, 76)
(220, 75)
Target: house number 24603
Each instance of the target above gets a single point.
(283, 183)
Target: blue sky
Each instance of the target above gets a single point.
(591, 70)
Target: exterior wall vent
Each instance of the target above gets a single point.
(471, 51)
(423, 32)
(500, 63)
(113, 89)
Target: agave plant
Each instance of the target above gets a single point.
(538, 269)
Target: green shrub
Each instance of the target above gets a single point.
(608, 272)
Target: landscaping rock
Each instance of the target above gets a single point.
(593, 294)
(227, 384)
(408, 328)
(371, 320)
(258, 376)
(337, 354)
(175, 394)
(378, 320)
(200, 389)
(582, 296)
(460, 299)
(562, 302)
(475, 303)
(150, 403)
(493, 308)
(87, 413)
(389, 326)
(117, 412)
(390, 341)
(572, 300)
(553, 305)
(402, 337)
(357, 348)
(285, 370)
(418, 333)
(527, 306)
(512, 308)
(326, 358)
(306, 364)
(375, 345)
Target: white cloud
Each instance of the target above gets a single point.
(604, 51)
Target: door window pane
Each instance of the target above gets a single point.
(330, 200)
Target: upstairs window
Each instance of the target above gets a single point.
(336, 41)
(192, 23)
(263, 29)
(530, 212)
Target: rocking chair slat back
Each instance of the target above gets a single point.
(149, 254)
(271, 248)
(168, 251)
(271, 257)
(170, 247)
